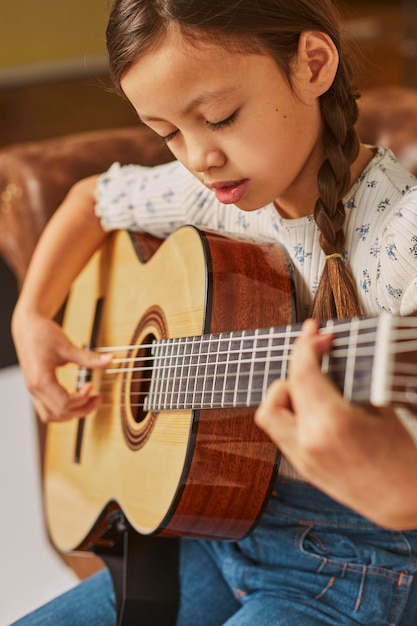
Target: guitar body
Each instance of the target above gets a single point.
(201, 473)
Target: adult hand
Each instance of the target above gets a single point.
(362, 456)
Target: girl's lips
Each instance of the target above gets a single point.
(230, 192)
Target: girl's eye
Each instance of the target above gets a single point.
(224, 123)
(168, 138)
(213, 125)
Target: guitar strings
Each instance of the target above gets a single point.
(177, 362)
(407, 383)
(400, 335)
(339, 351)
(168, 362)
(406, 380)
(284, 333)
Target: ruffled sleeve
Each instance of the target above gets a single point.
(397, 287)
(157, 200)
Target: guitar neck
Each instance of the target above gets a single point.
(372, 360)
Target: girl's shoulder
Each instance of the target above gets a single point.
(385, 172)
(396, 238)
(383, 187)
(381, 229)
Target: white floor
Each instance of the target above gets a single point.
(30, 571)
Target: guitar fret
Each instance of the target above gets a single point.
(336, 360)
(251, 368)
(203, 370)
(152, 395)
(325, 361)
(221, 367)
(271, 350)
(214, 348)
(161, 373)
(351, 347)
(365, 355)
(248, 357)
(197, 384)
(260, 369)
(177, 345)
(219, 384)
(235, 373)
(286, 353)
(268, 358)
(351, 360)
(207, 372)
(184, 379)
(166, 369)
(227, 342)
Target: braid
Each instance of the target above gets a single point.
(336, 294)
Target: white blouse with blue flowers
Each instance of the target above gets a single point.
(380, 227)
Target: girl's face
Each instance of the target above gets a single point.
(234, 121)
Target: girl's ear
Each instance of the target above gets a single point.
(317, 63)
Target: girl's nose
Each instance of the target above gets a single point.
(202, 157)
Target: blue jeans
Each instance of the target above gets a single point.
(309, 562)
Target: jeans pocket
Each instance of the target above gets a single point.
(329, 547)
(368, 581)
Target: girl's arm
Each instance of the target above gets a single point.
(70, 238)
(363, 457)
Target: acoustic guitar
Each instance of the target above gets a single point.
(198, 327)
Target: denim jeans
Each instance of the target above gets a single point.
(309, 562)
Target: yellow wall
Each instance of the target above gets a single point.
(37, 31)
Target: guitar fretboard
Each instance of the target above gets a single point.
(235, 369)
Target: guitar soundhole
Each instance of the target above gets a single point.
(137, 424)
(141, 380)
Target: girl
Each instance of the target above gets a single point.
(255, 99)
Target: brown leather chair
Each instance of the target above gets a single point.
(34, 177)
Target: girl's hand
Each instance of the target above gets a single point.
(42, 347)
(40, 343)
(362, 456)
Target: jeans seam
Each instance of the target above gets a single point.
(316, 521)
(401, 600)
(412, 561)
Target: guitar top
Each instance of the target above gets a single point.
(173, 444)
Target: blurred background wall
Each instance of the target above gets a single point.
(44, 31)
(53, 77)
(53, 70)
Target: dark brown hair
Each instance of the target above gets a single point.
(273, 27)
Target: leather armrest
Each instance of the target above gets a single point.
(35, 177)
